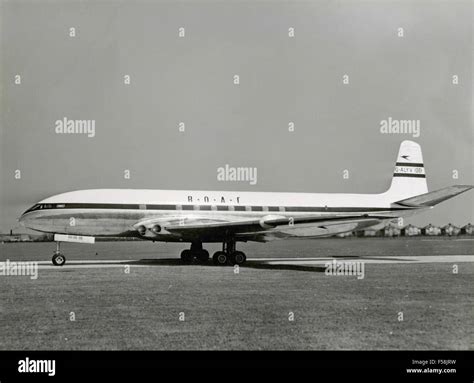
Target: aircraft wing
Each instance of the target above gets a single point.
(215, 228)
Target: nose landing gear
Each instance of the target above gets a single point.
(58, 258)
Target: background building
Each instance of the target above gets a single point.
(391, 230)
(410, 231)
(431, 230)
(468, 229)
(450, 230)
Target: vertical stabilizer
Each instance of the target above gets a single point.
(409, 177)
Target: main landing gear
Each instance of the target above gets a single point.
(58, 258)
(228, 255)
(195, 252)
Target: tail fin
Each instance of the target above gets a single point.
(409, 178)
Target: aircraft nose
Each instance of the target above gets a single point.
(26, 219)
(21, 220)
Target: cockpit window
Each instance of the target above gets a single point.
(33, 208)
(40, 206)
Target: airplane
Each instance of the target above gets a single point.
(198, 217)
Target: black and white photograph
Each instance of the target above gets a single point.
(288, 177)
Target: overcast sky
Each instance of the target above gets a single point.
(282, 79)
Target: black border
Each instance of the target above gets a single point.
(357, 365)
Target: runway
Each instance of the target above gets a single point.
(321, 261)
(373, 260)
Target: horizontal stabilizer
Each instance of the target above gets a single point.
(435, 197)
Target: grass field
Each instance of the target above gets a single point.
(249, 310)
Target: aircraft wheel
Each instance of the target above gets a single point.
(59, 259)
(219, 258)
(238, 258)
(187, 256)
(202, 255)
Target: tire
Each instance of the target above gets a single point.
(202, 255)
(238, 258)
(220, 258)
(59, 260)
(187, 257)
